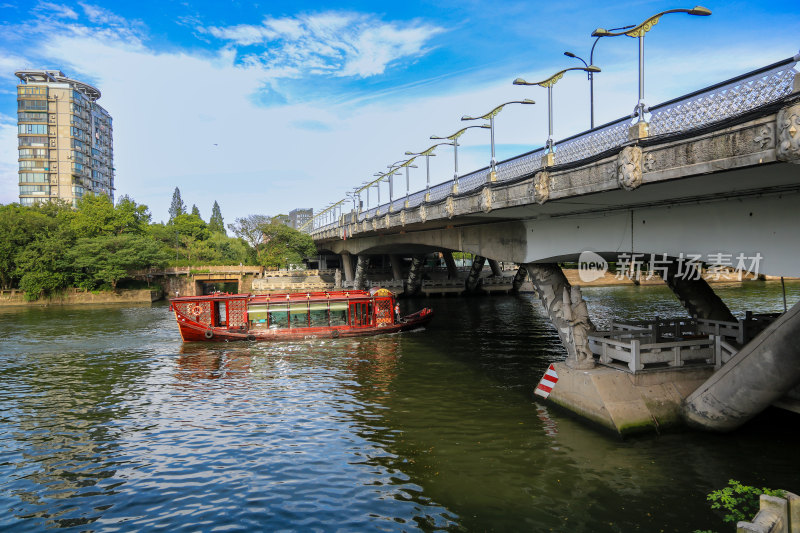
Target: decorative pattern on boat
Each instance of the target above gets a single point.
(237, 313)
(199, 311)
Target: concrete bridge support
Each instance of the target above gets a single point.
(474, 276)
(452, 271)
(347, 267)
(495, 266)
(360, 278)
(414, 283)
(397, 267)
(696, 296)
(519, 278)
(758, 375)
(567, 311)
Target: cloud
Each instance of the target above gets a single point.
(56, 10)
(329, 43)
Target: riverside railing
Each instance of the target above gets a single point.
(693, 111)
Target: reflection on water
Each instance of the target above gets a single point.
(108, 421)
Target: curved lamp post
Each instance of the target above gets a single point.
(548, 83)
(428, 153)
(490, 117)
(454, 137)
(639, 31)
(591, 74)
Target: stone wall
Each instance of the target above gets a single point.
(77, 297)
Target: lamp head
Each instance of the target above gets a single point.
(592, 68)
(527, 101)
(600, 32)
(700, 11)
(485, 126)
(410, 153)
(569, 54)
(520, 81)
(467, 117)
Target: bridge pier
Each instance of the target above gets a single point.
(347, 266)
(397, 267)
(474, 276)
(519, 279)
(452, 271)
(567, 311)
(414, 283)
(697, 296)
(495, 266)
(360, 278)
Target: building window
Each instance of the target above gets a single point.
(39, 190)
(33, 141)
(32, 117)
(32, 105)
(34, 177)
(31, 90)
(37, 129)
(78, 191)
(29, 201)
(33, 153)
(33, 164)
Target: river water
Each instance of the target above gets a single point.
(108, 423)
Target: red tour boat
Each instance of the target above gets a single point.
(229, 317)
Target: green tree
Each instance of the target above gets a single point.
(283, 244)
(177, 207)
(109, 258)
(20, 226)
(196, 211)
(96, 215)
(249, 229)
(43, 267)
(216, 224)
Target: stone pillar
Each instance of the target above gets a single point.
(414, 283)
(347, 266)
(697, 297)
(452, 271)
(397, 267)
(567, 311)
(495, 266)
(474, 276)
(519, 278)
(360, 278)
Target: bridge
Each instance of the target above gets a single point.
(709, 179)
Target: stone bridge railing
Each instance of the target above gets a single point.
(724, 101)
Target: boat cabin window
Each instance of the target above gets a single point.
(257, 315)
(298, 313)
(338, 313)
(220, 313)
(278, 316)
(318, 314)
(360, 314)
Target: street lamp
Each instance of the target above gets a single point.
(490, 117)
(405, 164)
(454, 137)
(428, 154)
(591, 74)
(639, 31)
(548, 83)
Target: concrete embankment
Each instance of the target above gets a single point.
(77, 297)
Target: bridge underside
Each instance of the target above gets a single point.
(746, 211)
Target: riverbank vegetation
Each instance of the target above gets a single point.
(50, 246)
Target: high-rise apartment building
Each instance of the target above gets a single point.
(298, 217)
(65, 139)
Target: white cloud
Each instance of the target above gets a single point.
(342, 44)
(56, 10)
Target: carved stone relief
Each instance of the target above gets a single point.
(629, 168)
(764, 137)
(788, 148)
(403, 217)
(423, 213)
(649, 163)
(486, 200)
(541, 187)
(387, 220)
(450, 207)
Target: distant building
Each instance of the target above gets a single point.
(65, 139)
(298, 217)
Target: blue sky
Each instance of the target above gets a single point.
(269, 106)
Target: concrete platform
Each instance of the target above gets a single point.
(625, 403)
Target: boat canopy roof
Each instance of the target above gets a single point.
(290, 297)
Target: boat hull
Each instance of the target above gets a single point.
(192, 331)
